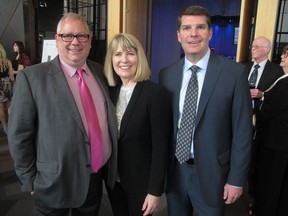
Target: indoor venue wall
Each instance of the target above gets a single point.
(11, 24)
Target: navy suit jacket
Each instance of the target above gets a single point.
(223, 129)
(144, 138)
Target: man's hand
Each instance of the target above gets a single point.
(231, 193)
(256, 93)
(150, 204)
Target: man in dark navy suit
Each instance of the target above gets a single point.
(219, 152)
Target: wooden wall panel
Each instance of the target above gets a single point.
(266, 19)
(114, 18)
(246, 19)
(131, 16)
(136, 20)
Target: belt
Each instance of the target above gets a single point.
(190, 161)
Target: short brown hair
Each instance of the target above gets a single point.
(285, 49)
(194, 10)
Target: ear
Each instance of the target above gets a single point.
(210, 33)
(179, 39)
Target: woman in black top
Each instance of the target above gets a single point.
(272, 135)
(21, 59)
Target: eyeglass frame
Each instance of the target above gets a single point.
(87, 36)
(257, 47)
(285, 54)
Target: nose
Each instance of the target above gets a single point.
(124, 57)
(193, 31)
(75, 40)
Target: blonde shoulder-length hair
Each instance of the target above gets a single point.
(126, 41)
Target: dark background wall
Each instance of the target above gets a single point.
(11, 24)
(165, 47)
(16, 25)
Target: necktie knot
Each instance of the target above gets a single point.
(80, 72)
(194, 68)
(257, 66)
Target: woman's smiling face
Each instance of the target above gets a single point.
(125, 63)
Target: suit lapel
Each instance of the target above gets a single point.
(131, 106)
(212, 75)
(66, 98)
(264, 75)
(176, 84)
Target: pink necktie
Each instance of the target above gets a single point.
(92, 122)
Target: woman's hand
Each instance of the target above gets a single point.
(150, 204)
(20, 67)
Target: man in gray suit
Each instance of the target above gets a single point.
(48, 130)
(218, 157)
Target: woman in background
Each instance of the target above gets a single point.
(272, 135)
(144, 129)
(6, 77)
(21, 59)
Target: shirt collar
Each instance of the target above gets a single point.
(71, 70)
(202, 63)
(261, 64)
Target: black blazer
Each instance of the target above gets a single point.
(270, 73)
(144, 138)
(272, 119)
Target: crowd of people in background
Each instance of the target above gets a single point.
(6, 81)
(8, 70)
(190, 136)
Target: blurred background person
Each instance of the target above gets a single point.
(262, 73)
(21, 59)
(144, 127)
(266, 73)
(6, 77)
(271, 193)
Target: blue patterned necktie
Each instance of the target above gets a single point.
(185, 133)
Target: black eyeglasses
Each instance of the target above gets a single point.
(70, 37)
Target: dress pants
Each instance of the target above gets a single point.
(90, 207)
(183, 194)
(271, 197)
(124, 203)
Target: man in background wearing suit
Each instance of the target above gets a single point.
(214, 170)
(267, 73)
(49, 134)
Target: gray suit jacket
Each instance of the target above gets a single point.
(47, 138)
(223, 128)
